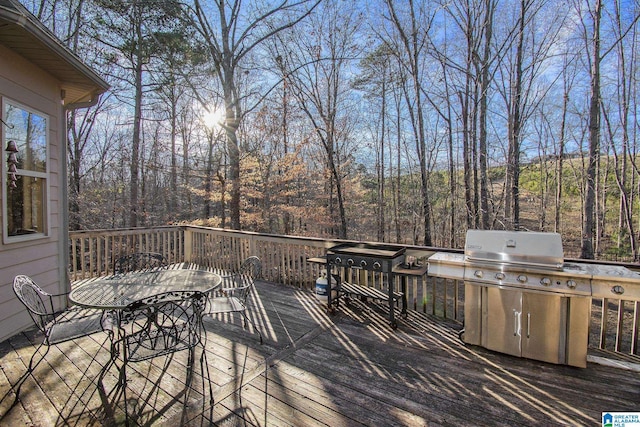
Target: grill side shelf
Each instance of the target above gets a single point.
(446, 265)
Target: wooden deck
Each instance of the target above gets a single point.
(347, 369)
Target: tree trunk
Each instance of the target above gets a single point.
(135, 145)
(380, 219)
(560, 164)
(452, 165)
(588, 230)
(515, 118)
(173, 179)
(208, 179)
(484, 89)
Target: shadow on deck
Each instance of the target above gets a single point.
(314, 369)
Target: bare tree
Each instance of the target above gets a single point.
(129, 30)
(568, 75)
(412, 42)
(376, 81)
(626, 57)
(595, 105)
(467, 18)
(588, 227)
(317, 57)
(231, 33)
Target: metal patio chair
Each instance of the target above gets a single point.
(139, 261)
(234, 292)
(56, 326)
(155, 326)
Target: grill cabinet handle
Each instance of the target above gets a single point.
(516, 322)
(528, 325)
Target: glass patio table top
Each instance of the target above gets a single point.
(117, 291)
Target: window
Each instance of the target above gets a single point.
(25, 167)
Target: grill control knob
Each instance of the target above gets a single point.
(571, 284)
(522, 278)
(376, 265)
(363, 263)
(478, 274)
(338, 260)
(545, 281)
(350, 261)
(500, 276)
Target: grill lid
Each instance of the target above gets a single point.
(543, 250)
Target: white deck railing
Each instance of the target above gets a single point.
(285, 260)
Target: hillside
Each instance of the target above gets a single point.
(533, 180)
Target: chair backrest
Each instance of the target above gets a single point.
(251, 267)
(162, 324)
(38, 302)
(242, 282)
(140, 261)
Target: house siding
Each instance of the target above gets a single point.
(23, 82)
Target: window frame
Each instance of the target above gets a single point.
(45, 176)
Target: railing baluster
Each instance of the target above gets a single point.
(619, 326)
(634, 331)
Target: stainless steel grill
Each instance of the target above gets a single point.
(521, 298)
(530, 260)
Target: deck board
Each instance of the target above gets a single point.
(314, 369)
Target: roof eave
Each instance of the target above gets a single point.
(88, 90)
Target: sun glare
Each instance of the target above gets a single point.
(213, 118)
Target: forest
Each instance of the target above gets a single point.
(404, 121)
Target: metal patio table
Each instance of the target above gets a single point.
(117, 291)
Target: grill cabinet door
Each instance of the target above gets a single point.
(504, 318)
(526, 324)
(543, 327)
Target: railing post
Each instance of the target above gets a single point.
(252, 245)
(188, 244)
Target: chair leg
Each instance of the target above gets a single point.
(122, 378)
(204, 364)
(116, 351)
(246, 318)
(32, 366)
(190, 364)
(110, 362)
